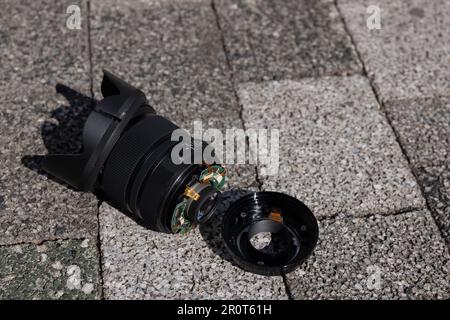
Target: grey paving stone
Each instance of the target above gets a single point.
(36, 117)
(53, 270)
(378, 257)
(423, 128)
(169, 49)
(38, 48)
(408, 55)
(337, 151)
(274, 40)
(142, 264)
(35, 207)
(435, 182)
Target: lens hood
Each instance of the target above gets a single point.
(122, 102)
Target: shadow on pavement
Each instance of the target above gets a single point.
(211, 231)
(62, 133)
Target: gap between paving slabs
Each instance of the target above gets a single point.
(435, 181)
(422, 125)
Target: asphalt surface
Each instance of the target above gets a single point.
(364, 142)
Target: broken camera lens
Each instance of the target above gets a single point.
(126, 158)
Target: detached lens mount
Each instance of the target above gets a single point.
(290, 226)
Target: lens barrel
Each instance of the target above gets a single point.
(139, 176)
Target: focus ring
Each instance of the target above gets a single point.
(126, 156)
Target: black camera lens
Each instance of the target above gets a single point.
(127, 159)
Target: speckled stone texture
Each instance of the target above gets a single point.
(377, 257)
(172, 51)
(337, 151)
(36, 46)
(423, 127)
(272, 40)
(53, 270)
(435, 182)
(142, 264)
(36, 116)
(204, 60)
(409, 56)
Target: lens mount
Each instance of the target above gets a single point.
(292, 228)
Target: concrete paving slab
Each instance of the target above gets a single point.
(52, 270)
(171, 50)
(34, 206)
(409, 56)
(143, 264)
(423, 126)
(38, 48)
(274, 40)
(377, 257)
(435, 183)
(41, 57)
(337, 151)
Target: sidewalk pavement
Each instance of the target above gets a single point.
(364, 119)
